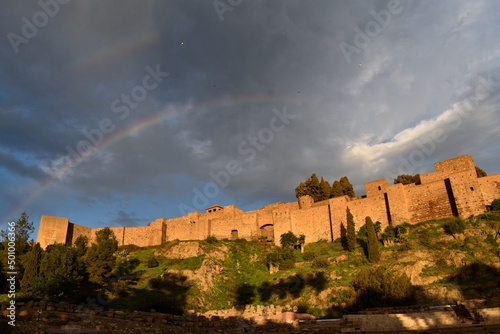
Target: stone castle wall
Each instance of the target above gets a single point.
(453, 190)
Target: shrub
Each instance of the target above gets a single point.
(152, 262)
(426, 242)
(211, 239)
(389, 233)
(122, 253)
(377, 288)
(129, 248)
(362, 232)
(309, 255)
(491, 240)
(282, 257)
(406, 246)
(321, 262)
(455, 226)
(495, 205)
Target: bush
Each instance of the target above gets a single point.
(362, 232)
(152, 262)
(406, 246)
(495, 205)
(211, 239)
(426, 242)
(321, 262)
(389, 233)
(490, 239)
(282, 257)
(122, 253)
(377, 288)
(309, 255)
(455, 226)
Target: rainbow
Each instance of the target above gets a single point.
(133, 129)
(113, 51)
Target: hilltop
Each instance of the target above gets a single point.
(429, 264)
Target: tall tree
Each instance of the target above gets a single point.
(347, 188)
(480, 172)
(301, 190)
(59, 278)
(324, 190)
(81, 245)
(22, 231)
(100, 258)
(373, 252)
(312, 185)
(32, 268)
(407, 179)
(288, 240)
(351, 231)
(336, 190)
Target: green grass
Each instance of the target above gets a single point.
(245, 277)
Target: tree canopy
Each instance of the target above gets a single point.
(480, 172)
(351, 231)
(321, 190)
(407, 179)
(99, 258)
(288, 239)
(22, 230)
(373, 251)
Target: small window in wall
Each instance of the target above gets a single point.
(234, 234)
(379, 188)
(472, 188)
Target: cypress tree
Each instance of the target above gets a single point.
(324, 190)
(347, 188)
(99, 258)
(336, 190)
(351, 231)
(312, 185)
(373, 252)
(301, 190)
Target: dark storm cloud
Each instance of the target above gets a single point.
(15, 166)
(355, 116)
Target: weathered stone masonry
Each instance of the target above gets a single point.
(452, 190)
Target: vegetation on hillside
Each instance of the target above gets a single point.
(432, 262)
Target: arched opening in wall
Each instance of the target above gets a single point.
(268, 232)
(234, 234)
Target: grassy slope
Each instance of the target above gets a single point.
(318, 283)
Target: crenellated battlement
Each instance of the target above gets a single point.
(454, 189)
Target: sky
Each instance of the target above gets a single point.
(117, 112)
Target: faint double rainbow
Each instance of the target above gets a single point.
(96, 58)
(142, 125)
